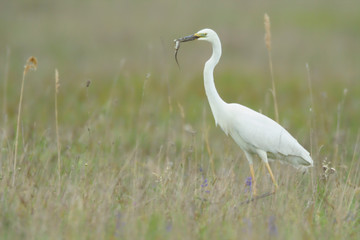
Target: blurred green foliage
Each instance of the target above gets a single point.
(133, 127)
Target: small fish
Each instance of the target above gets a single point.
(183, 39)
(177, 46)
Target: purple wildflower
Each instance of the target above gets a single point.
(119, 224)
(205, 183)
(168, 226)
(247, 228)
(248, 184)
(350, 217)
(272, 226)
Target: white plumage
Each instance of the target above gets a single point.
(254, 132)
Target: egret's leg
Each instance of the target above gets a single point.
(253, 179)
(271, 175)
(263, 156)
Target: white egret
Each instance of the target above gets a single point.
(254, 132)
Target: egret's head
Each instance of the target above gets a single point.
(205, 34)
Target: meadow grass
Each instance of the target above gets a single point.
(31, 63)
(145, 171)
(132, 151)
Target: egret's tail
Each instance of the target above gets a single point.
(298, 162)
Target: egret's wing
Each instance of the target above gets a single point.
(263, 133)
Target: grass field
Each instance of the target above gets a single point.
(140, 156)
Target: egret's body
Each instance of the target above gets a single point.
(254, 132)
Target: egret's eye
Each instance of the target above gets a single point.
(200, 35)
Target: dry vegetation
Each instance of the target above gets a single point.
(126, 147)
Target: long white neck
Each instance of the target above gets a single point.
(215, 101)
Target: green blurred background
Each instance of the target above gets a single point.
(87, 37)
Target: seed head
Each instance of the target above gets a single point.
(31, 64)
(327, 170)
(57, 82)
(267, 31)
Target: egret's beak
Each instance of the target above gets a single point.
(189, 38)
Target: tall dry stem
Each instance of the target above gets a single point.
(57, 86)
(268, 46)
(312, 119)
(31, 64)
(338, 123)
(4, 113)
(6, 75)
(311, 107)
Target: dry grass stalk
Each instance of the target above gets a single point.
(31, 64)
(57, 86)
(268, 46)
(338, 133)
(311, 108)
(208, 149)
(312, 116)
(6, 76)
(5, 105)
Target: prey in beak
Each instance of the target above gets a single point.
(184, 39)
